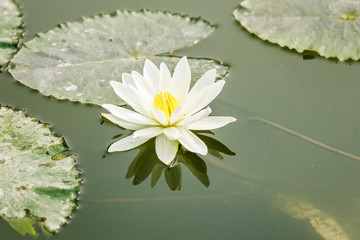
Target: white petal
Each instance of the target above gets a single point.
(143, 83)
(165, 78)
(126, 143)
(121, 122)
(144, 86)
(148, 132)
(166, 149)
(203, 98)
(129, 115)
(130, 95)
(197, 116)
(191, 142)
(175, 116)
(209, 123)
(172, 133)
(152, 74)
(181, 80)
(205, 81)
(127, 79)
(160, 116)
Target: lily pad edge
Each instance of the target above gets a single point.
(218, 62)
(304, 51)
(68, 151)
(6, 65)
(114, 13)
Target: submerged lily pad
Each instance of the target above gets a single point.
(77, 60)
(10, 30)
(325, 225)
(38, 189)
(331, 27)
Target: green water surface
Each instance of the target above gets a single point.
(278, 186)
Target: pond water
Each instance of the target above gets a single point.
(277, 186)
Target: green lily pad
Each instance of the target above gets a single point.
(38, 189)
(77, 60)
(331, 27)
(10, 30)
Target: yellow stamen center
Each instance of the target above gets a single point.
(166, 102)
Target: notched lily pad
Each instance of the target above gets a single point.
(331, 28)
(10, 30)
(77, 60)
(37, 192)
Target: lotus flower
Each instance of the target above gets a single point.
(165, 108)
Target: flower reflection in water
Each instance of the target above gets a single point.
(146, 162)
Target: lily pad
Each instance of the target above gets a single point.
(77, 60)
(10, 30)
(325, 225)
(331, 27)
(39, 183)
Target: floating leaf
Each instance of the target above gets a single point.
(10, 30)
(77, 60)
(37, 191)
(331, 27)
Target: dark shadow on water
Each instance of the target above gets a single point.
(147, 163)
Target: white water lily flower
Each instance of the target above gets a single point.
(165, 109)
